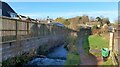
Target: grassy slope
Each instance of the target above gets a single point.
(73, 58)
(108, 62)
(98, 42)
(86, 44)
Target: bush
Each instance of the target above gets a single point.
(43, 50)
(70, 40)
(94, 27)
(16, 61)
(73, 57)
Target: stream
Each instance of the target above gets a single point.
(56, 57)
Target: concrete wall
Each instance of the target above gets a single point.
(14, 48)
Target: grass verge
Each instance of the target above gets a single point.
(86, 46)
(73, 57)
(108, 62)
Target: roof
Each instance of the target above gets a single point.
(58, 24)
(6, 9)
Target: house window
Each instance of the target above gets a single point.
(0, 12)
(13, 15)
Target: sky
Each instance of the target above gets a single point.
(61, 0)
(66, 9)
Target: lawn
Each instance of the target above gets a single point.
(98, 42)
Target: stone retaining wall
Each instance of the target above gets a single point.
(14, 48)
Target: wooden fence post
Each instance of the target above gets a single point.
(27, 29)
(111, 43)
(16, 30)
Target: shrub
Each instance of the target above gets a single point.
(73, 59)
(17, 61)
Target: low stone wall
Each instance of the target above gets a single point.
(14, 48)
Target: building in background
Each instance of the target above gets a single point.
(6, 10)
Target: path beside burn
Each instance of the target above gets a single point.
(87, 59)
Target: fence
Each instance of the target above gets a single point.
(15, 29)
(19, 37)
(116, 46)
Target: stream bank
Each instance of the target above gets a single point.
(56, 57)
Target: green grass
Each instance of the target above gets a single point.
(108, 62)
(98, 42)
(72, 59)
(86, 44)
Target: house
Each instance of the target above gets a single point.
(6, 10)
